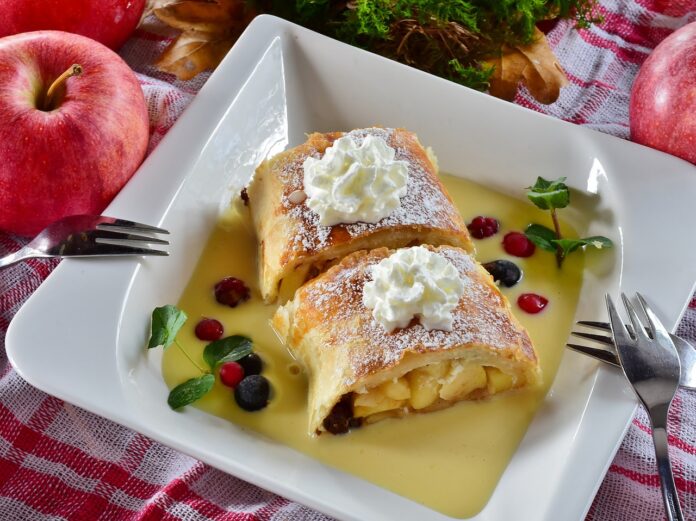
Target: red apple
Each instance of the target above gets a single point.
(110, 22)
(70, 152)
(663, 99)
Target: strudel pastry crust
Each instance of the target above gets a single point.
(294, 247)
(359, 373)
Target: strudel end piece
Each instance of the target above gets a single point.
(359, 372)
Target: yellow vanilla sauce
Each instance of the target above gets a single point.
(450, 460)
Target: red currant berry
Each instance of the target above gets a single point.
(481, 227)
(531, 302)
(231, 291)
(517, 244)
(209, 329)
(231, 373)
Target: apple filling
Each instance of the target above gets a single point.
(299, 275)
(430, 388)
(293, 280)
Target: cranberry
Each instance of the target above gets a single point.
(517, 244)
(231, 291)
(231, 373)
(532, 303)
(209, 329)
(482, 227)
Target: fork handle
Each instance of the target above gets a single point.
(664, 469)
(19, 255)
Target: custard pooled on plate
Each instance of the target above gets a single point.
(342, 192)
(388, 333)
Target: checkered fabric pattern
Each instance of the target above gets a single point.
(58, 462)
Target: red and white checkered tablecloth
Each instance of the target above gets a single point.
(59, 462)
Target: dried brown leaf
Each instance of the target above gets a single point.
(192, 53)
(507, 74)
(197, 15)
(151, 5)
(209, 29)
(535, 65)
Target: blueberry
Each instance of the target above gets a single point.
(505, 272)
(251, 363)
(251, 394)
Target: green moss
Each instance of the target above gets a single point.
(370, 18)
(476, 76)
(449, 38)
(373, 19)
(311, 9)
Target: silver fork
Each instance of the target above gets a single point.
(89, 236)
(651, 364)
(687, 353)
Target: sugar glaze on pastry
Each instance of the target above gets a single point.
(360, 373)
(293, 244)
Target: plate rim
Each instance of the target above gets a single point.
(273, 28)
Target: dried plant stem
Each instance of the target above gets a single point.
(557, 229)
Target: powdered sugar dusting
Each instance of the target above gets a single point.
(424, 203)
(480, 316)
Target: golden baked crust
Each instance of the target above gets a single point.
(292, 244)
(344, 350)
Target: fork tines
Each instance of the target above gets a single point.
(602, 339)
(110, 223)
(604, 326)
(604, 355)
(115, 238)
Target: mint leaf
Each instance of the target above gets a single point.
(598, 241)
(548, 195)
(541, 236)
(166, 323)
(228, 349)
(542, 184)
(190, 391)
(570, 245)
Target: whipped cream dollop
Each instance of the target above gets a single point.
(414, 282)
(355, 182)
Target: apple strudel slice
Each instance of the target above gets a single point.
(367, 360)
(342, 192)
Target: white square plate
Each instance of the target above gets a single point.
(81, 336)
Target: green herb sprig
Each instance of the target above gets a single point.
(166, 324)
(554, 195)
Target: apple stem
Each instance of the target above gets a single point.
(74, 70)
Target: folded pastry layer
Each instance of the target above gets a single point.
(359, 373)
(294, 247)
